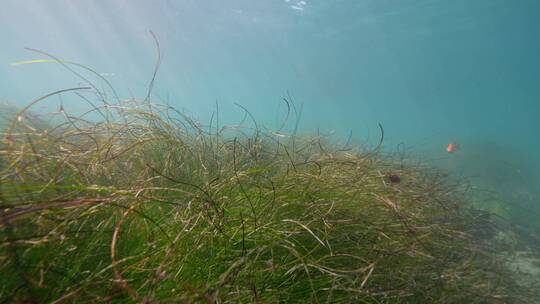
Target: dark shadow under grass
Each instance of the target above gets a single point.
(147, 205)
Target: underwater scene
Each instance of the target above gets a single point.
(270, 151)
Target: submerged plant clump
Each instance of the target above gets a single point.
(145, 204)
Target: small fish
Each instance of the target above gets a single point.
(394, 178)
(452, 147)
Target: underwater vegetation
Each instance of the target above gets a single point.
(134, 201)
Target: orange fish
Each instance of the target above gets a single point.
(452, 147)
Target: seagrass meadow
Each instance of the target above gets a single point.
(284, 151)
(141, 203)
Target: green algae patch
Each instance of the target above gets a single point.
(148, 205)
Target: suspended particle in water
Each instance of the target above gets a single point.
(19, 118)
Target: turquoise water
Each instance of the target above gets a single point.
(431, 72)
